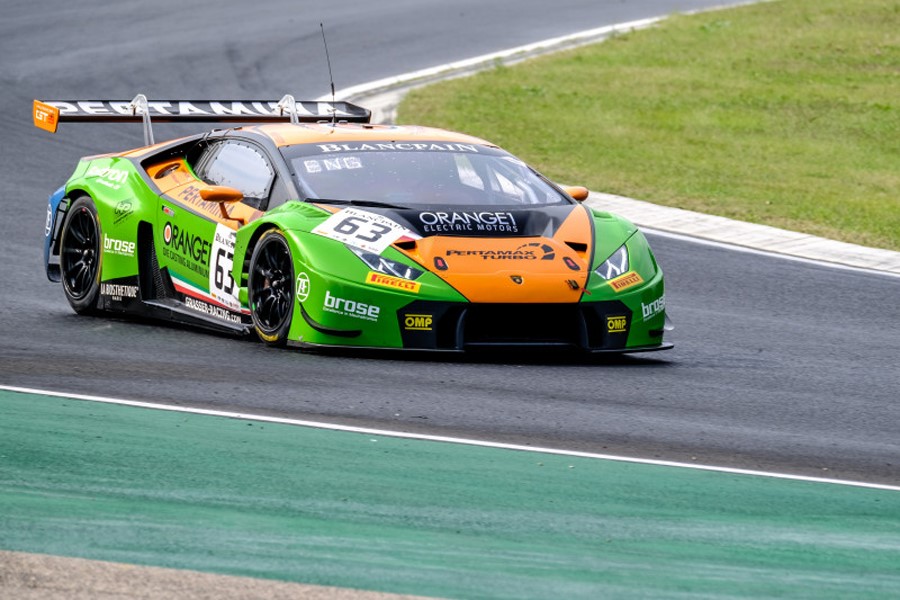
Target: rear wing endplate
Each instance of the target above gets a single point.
(48, 114)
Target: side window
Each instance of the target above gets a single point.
(243, 167)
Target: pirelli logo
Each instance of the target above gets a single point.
(396, 283)
(623, 282)
(616, 324)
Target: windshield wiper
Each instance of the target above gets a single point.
(372, 203)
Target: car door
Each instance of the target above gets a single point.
(196, 237)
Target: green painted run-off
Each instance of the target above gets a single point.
(234, 496)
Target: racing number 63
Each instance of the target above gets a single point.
(350, 226)
(224, 261)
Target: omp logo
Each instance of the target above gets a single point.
(616, 324)
(120, 247)
(654, 308)
(393, 282)
(418, 322)
(49, 222)
(350, 308)
(626, 281)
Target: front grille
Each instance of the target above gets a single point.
(524, 324)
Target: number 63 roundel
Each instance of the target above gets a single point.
(221, 284)
(368, 231)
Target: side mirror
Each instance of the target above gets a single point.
(222, 194)
(577, 192)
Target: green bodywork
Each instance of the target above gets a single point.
(131, 212)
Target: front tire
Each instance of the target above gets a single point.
(271, 288)
(79, 256)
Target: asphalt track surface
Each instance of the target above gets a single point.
(778, 365)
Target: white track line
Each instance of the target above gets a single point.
(439, 438)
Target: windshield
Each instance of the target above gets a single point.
(417, 174)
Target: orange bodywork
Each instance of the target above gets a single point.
(512, 270)
(178, 184)
(285, 134)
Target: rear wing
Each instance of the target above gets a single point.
(47, 115)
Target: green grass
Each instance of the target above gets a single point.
(785, 113)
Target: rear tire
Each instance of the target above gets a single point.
(79, 256)
(270, 288)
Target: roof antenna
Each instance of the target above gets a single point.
(330, 76)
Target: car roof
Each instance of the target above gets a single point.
(287, 134)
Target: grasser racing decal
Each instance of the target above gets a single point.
(363, 229)
(217, 312)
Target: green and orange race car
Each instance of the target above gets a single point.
(310, 226)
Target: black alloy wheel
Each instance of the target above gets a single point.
(271, 288)
(79, 256)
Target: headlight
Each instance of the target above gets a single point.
(615, 265)
(386, 266)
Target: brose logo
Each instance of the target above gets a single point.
(120, 247)
(616, 324)
(654, 308)
(418, 322)
(350, 308)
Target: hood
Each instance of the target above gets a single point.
(504, 256)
